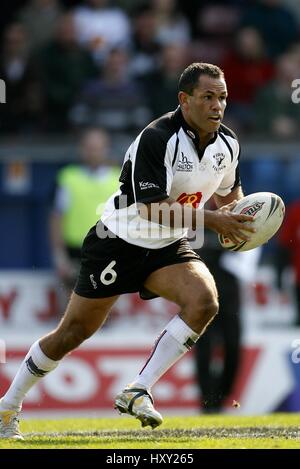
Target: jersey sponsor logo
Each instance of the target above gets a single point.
(218, 166)
(184, 164)
(147, 185)
(192, 200)
(253, 209)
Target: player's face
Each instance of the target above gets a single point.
(204, 109)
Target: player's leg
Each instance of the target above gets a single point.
(192, 287)
(82, 318)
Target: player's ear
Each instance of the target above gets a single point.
(183, 99)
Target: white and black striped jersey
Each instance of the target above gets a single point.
(165, 161)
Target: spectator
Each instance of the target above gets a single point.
(101, 27)
(24, 106)
(193, 11)
(161, 86)
(215, 25)
(39, 19)
(81, 188)
(64, 67)
(275, 22)
(171, 25)
(275, 113)
(114, 100)
(248, 69)
(145, 46)
(294, 7)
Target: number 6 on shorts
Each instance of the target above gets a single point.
(110, 273)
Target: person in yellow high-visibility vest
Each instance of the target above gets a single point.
(82, 189)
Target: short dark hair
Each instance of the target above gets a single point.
(190, 76)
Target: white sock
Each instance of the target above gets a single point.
(34, 366)
(175, 340)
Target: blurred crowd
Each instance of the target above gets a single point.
(115, 64)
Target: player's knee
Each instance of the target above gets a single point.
(211, 309)
(206, 307)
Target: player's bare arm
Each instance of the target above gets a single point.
(236, 194)
(171, 213)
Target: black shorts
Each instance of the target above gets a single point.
(111, 266)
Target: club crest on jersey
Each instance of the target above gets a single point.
(184, 164)
(192, 200)
(218, 166)
(252, 209)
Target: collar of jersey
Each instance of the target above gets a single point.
(191, 133)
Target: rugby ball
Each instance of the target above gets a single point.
(268, 211)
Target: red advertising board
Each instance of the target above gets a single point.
(90, 378)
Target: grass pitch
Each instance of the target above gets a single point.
(272, 431)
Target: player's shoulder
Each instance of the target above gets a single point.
(161, 129)
(227, 132)
(231, 141)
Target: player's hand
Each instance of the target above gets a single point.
(231, 225)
